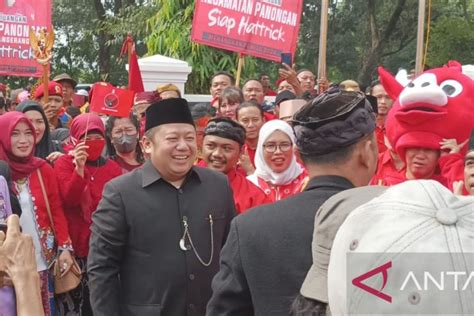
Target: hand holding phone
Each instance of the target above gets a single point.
(286, 58)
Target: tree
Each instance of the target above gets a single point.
(451, 40)
(75, 46)
(387, 36)
(361, 36)
(365, 34)
(170, 36)
(130, 17)
(88, 41)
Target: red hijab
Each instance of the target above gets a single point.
(86, 121)
(21, 167)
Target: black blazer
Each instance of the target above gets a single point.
(268, 253)
(136, 265)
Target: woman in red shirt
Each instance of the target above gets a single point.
(83, 173)
(17, 142)
(122, 142)
(277, 171)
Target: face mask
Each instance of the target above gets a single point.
(95, 148)
(125, 144)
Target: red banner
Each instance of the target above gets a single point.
(111, 101)
(16, 19)
(261, 28)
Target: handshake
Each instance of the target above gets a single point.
(18, 268)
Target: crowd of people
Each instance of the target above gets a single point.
(202, 209)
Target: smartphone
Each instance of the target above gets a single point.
(286, 58)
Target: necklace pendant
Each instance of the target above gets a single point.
(182, 245)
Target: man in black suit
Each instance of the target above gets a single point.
(268, 251)
(157, 232)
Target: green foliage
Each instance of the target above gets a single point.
(356, 47)
(17, 82)
(75, 46)
(131, 19)
(350, 39)
(164, 27)
(170, 36)
(450, 39)
(79, 25)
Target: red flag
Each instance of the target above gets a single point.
(112, 101)
(135, 82)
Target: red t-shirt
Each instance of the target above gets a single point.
(270, 93)
(251, 153)
(380, 135)
(452, 168)
(387, 174)
(246, 194)
(126, 167)
(269, 116)
(81, 196)
(280, 192)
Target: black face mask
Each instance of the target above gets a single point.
(125, 144)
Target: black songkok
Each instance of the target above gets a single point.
(284, 96)
(471, 141)
(226, 128)
(334, 120)
(168, 111)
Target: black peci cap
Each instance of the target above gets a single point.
(168, 111)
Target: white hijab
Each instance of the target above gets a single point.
(262, 170)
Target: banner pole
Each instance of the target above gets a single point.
(420, 37)
(45, 84)
(239, 70)
(322, 79)
(129, 48)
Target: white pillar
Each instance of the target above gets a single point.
(157, 70)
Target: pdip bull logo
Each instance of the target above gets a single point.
(111, 101)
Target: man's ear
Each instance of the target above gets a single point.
(147, 144)
(366, 152)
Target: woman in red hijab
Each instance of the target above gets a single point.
(17, 143)
(84, 173)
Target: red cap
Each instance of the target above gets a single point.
(417, 139)
(54, 88)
